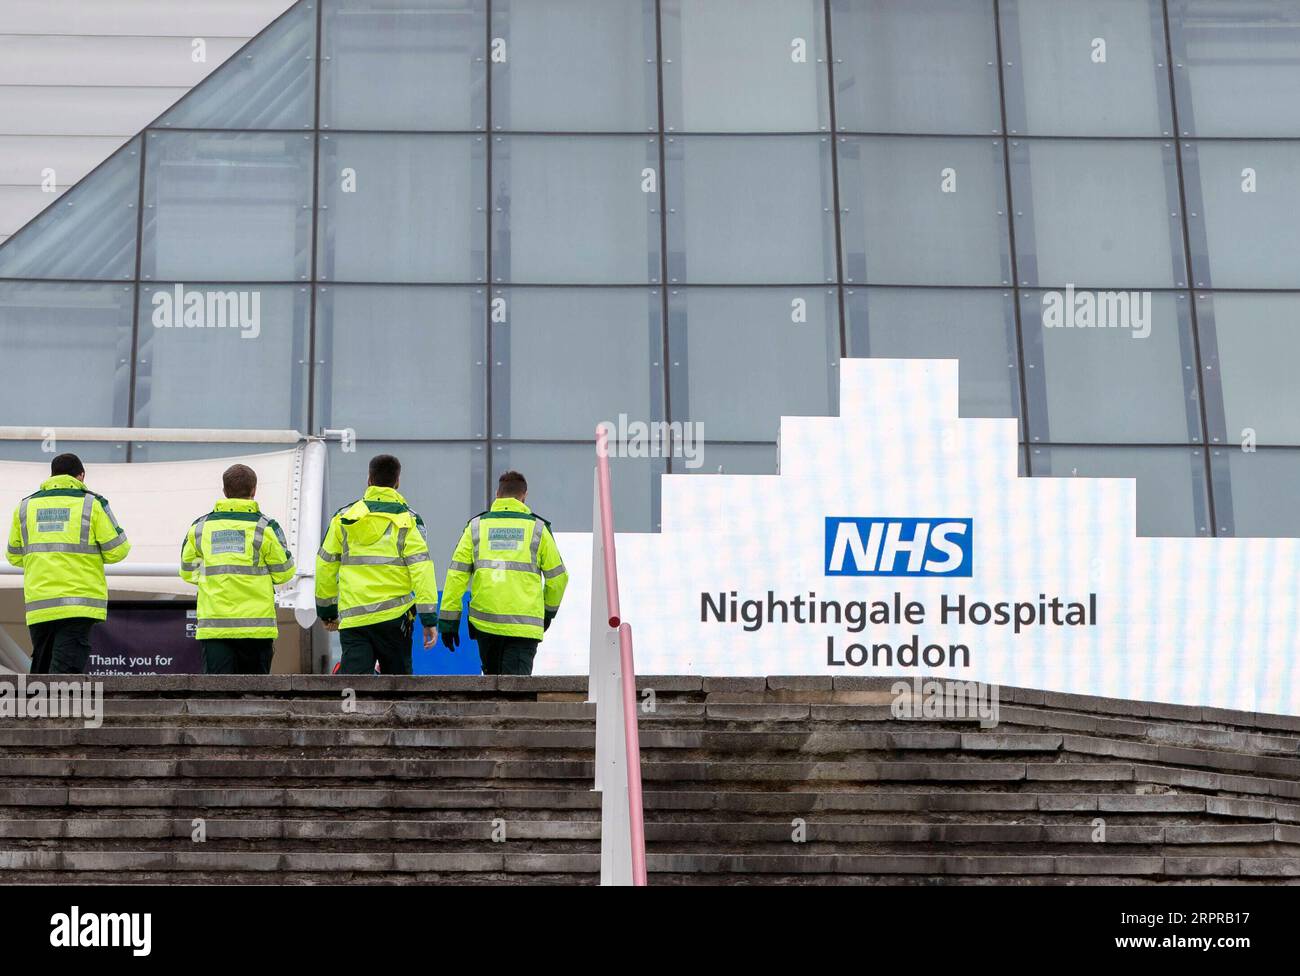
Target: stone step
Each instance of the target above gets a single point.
(674, 687)
(290, 861)
(389, 767)
(1020, 866)
(270, 770)
(1276, 755)
(258, 797)
(372, 862)
(19, 739)
(331, 830)
(722, 835)
(318, 779)
(658, 803)
(460, 879)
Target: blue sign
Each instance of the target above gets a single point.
(898, 546)
(439, 660)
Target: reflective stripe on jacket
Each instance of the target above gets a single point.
(374, 564)
(508, 560)
(61, 537)
(236, 556)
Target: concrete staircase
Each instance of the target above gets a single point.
(751, 781)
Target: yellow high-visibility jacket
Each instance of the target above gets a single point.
(374, 564)
(61, 537)
(236, 556)
(508, 560)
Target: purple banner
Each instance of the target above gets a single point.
(146, 638)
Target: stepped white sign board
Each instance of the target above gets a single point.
(899, 540)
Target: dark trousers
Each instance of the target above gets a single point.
(61, 646)
(237, 655)
(505, 655)
(388, 642)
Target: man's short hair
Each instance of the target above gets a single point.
(385, 470)
(67, 464)
(512, 484)
(239, 481)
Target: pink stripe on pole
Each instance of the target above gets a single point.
(632, 738)
(607, 524)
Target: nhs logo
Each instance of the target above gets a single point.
(898, 546)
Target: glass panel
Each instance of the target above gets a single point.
(222, 356)
(741, 358)
(227, 207)
(1252, 343)
(1249, 198)
(435, 388)
(744, 66)
(90, 452)
(270, 83)
(444, 483)
(1087, 67)
(567, 359)
(921, 66)
(1171, 496)
(575, 66)
(572, 210)
(977, 327)
(88, 232)
(66, 351)
(732, 459)
(1110, 367)
(560, 484)
(750, 209)
(1255, 492)
(1097, 214)
(405, 208)
(404, 64)
(924, 211)
(1236, 67)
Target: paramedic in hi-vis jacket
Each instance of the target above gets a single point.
(508, 559)
(374, 574)
(61, 537)
(236, 556)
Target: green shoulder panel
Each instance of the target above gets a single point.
(528, 516)
(233, 516)
(107, 511)
(279, 534)
(387, 508)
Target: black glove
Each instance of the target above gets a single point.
(546, 621)
(451, 638)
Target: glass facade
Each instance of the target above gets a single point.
(470, 230)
